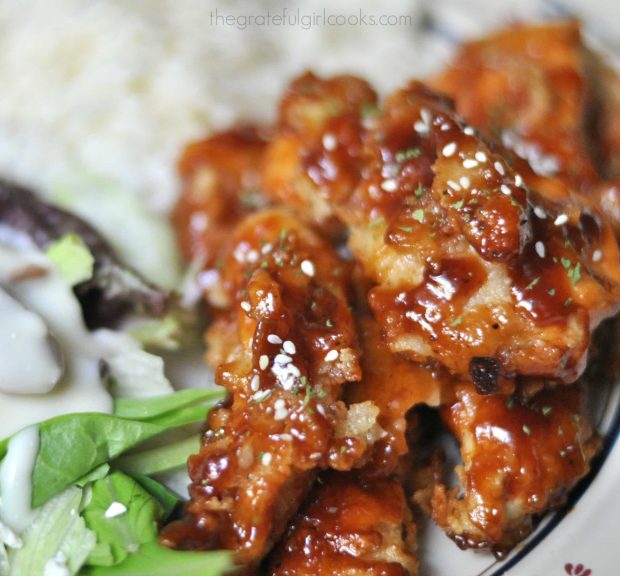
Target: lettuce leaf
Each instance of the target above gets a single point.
(122, 532)
(137, 374)
(167, 499)
(58, 534)
(126, 223)
(155, 560)
(73, 445)
(114, 290)
(160, 459)
(72, 258)
(147, 408)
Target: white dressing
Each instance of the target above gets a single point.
(28, 364)
(81, 388)
(16, 479)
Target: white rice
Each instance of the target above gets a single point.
(115, 89)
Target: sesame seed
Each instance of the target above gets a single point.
(286, 437)
(266, 459)
(282, 359)
(464, 181)
(480, 156)
(307, 267)
(266, 248)
(561, 220)
(540, 212)
(426, 115)
(505, 190)
(331, 356)
(274, 339)
(289, 347)
(280, 410)
(453, 185)
(449, 149)
(596, 257)
(470, 163)
(445, 126)
(252, 256)
(245, 306)
(389, 185)
(261, 395)
(518, 180)
(320, 409)
(540, 249)
(263, 361)
(329, 142)
(469, 131)
(255, 383)
(420, 127)
(499, 167)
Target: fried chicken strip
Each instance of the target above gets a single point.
(544, 94)
(491, 272)
(394, 385)
(221, 185)
(520, 458)
(350, 526)
(530, 87)
(284, 349)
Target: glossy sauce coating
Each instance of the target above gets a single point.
(608, 80)
(221, 185)
(519, 459)
(350, 526)
(531, 87)
(315, 159)
(395, 385)
(283, 350)
(433, 197)
(475, 263)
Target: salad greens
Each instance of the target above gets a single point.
(97, 506)
(146, 408)
(160, 459)
(123, 515)
(114, 290)
(125, 221)
(167, 499)
(107, 528)
(136, 373)
(72, 258)
(163, 334)
(98, 511)
(154, 560)
(99, 438)
(57, 535)
(94, 440)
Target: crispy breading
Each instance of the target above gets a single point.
(520, 458)
(294, 347)
(350, 526)
(473, 261)
(221, 185)
(394, 385)
(529, 87)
